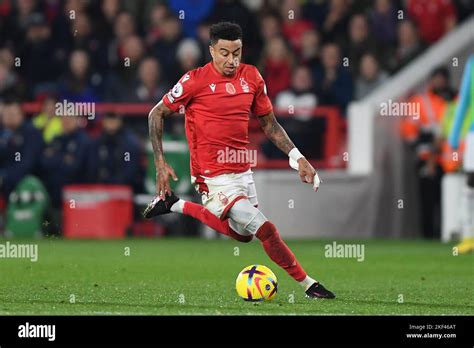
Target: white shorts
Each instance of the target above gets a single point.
(220, 193)
(468, 160)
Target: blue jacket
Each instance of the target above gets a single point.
(117, 160)
(339, 92)
(64, 162)
(192, 12)
(20, 151)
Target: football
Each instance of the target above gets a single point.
(256, 283)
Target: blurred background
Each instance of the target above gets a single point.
(330, 68)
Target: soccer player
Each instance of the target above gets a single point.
(217, 100)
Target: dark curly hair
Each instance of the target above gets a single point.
(225, 31)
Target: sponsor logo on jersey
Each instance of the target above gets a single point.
(229, 87)
(212, 86)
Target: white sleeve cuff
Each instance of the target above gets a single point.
(295, 154)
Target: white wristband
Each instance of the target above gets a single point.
(295, 154)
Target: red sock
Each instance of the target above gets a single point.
(279, 252)
(199, 212)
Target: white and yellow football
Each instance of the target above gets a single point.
(256, 283)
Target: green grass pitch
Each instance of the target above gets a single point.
(196, 276)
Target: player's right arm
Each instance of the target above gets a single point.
(155, 128)
(174, 101)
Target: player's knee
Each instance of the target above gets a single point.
(245, 214)
(245, 239)
(238, 233)
(266, 231)
(470, 179)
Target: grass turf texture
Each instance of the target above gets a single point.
(151, 280)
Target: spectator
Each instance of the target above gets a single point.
(333, 83)
(39, 62)
(336, 21)
(299, 102)
(157, 16)
(149, 88)
(78, 85)
(194, 12)
(432, 102)
(115, 157)
(294, 26)
(423, 133)
(124, 27)
(434, 18)
(276, 66)
(204, 40)
(121, 81)
(47, 121)
(270, 26)
(83, 37)
(17, 21)
(383, 22)
(316, 11)
(300, 95)
(238, 12)
(188, 55)
(359, 42)
(109, 10)
(408, 47)
(64, 159)
(370, 77)
(20, 147)
(63, 32)
(165, 48)
(310, 49)
(10, 81)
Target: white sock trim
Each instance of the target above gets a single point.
(307, 282)
(178, 206)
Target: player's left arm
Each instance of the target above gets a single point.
(278, 136)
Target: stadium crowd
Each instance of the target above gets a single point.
(310, 53)
(133, 51)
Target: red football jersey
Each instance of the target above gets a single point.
(217, 109)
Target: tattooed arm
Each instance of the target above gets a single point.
(163, 170)
(275, 132)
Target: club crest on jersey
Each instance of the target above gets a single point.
(229, 87)
(244, 85)
(223, 198)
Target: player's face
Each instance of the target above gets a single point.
(226, 56)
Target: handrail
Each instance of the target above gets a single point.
(331, 142)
